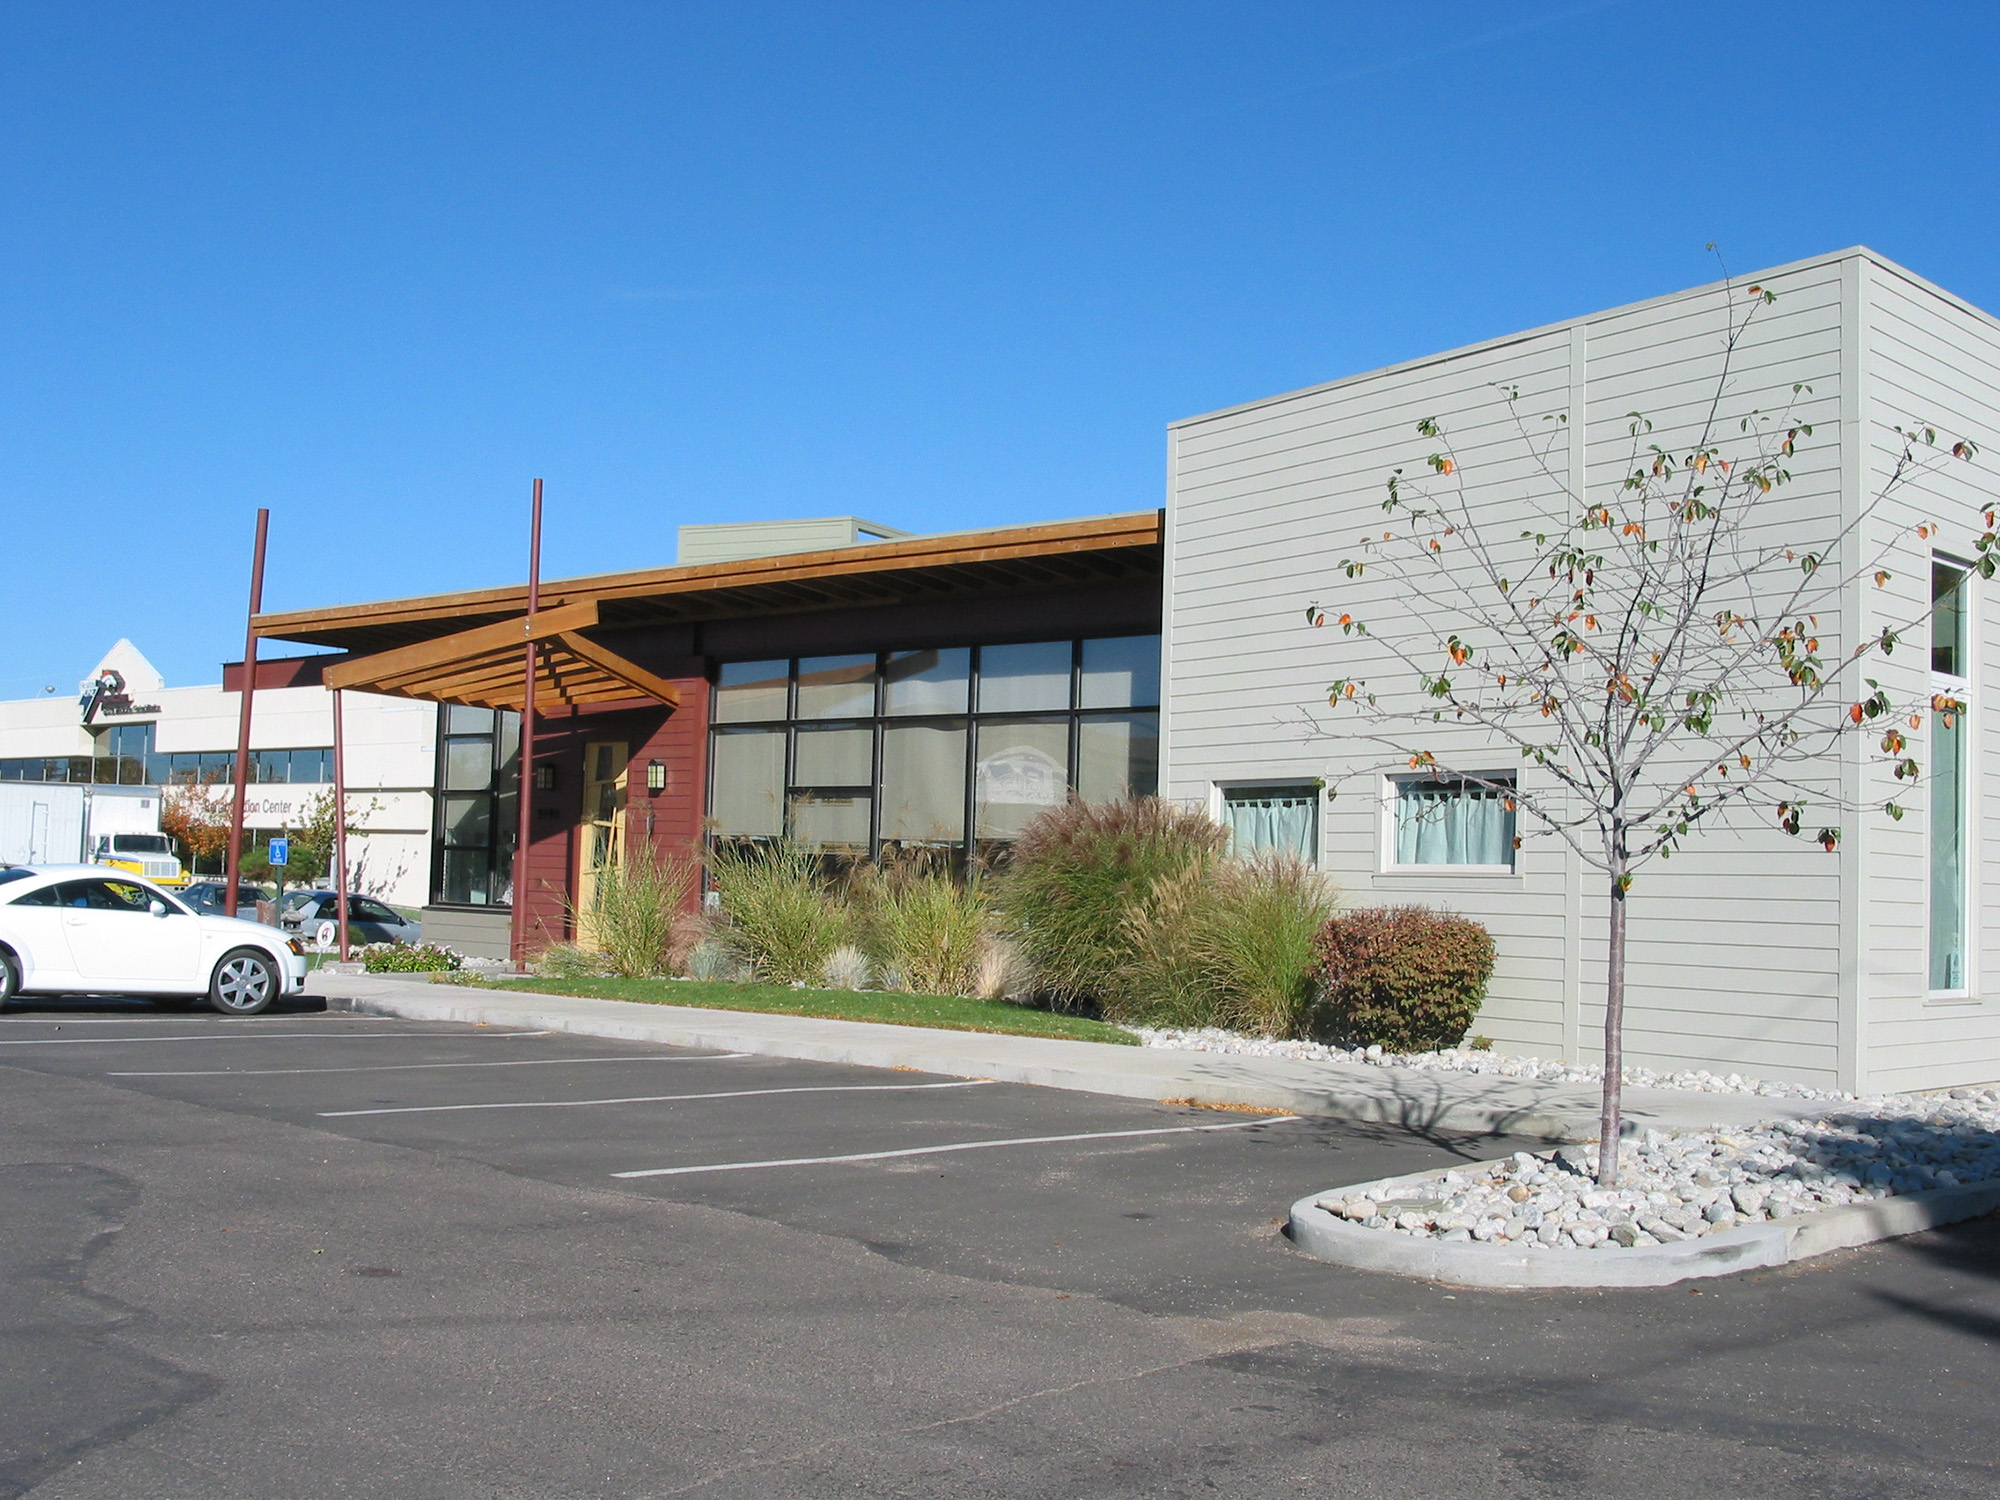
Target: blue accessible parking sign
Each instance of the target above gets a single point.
(281, 852)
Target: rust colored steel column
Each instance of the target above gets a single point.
(519, 946)
(234, 868)
(340, 822)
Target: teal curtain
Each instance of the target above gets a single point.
(1947, 796)
(1275, 820)
(1453, 823)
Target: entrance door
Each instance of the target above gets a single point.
(602, 831)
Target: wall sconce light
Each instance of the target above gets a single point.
(656, 777)
(545, 778)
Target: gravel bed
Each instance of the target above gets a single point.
(1474, 1060)
(1687, 1184)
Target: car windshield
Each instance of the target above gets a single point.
(19, 872)
(139, 843)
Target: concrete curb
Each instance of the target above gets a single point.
(1776, 1242)
(1403, 1098)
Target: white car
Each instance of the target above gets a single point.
(82, 929)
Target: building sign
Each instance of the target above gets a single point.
(107, 698)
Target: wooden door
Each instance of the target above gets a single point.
(602, 830)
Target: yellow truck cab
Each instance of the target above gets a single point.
(148, 854)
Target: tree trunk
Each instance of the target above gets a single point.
(1614, 1041)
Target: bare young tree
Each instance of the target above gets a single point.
(1655, 654)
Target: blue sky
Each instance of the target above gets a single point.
(377, 266)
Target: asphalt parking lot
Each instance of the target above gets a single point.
(315, 1253)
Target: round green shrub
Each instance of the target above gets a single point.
(1404, 978)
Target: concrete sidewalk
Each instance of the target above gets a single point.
(1406, 1097)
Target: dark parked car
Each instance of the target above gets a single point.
(205, 896)
(368, 920)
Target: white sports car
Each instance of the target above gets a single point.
(82, 929)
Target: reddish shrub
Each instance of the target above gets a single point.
(1402, 977)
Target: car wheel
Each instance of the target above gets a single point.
(10, 976)
(245, 982)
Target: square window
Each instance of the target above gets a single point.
(751, 691)
(926, 682)
(834, 757)
(1019, 679)
(1281, 820)
(836, 687)
(1456, 824)
(1122, 672)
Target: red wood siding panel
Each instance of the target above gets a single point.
(678, 739)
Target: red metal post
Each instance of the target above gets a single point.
(233, 869)
(519, 946)
(340, 822)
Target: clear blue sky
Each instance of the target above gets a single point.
(376, 266)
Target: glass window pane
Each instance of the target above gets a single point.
(1118, 756)
(468, 821)
(1014, 679)
(923, 783)
(822, 822)
(926, 682)
(468, 765)
(836, 687)
(1947, 620)
(747, 783)
(1273, 820)
(835, 757)
(1023, 769)
(510, 745)
(463, 718)
(1947, 833)
(1123, 672)
(747, 691)
(1453, 823)
(466, 875)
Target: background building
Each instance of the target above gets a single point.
(125, 727)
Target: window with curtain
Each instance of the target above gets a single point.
(1272, 820)
(1951, 702)
(1454, 823)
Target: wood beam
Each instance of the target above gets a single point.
(404, 662)
(611, 664)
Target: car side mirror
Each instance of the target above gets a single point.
(157, 907)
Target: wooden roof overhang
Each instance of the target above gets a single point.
(468, 647)
(486, 666)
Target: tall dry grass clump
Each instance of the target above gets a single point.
(780, 918)
(1076, 874)
(1259, 942)
(637, 925)
(927, 930)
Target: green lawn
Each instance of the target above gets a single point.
(948, 1011)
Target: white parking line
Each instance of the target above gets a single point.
(825, 1088)
(233, 1035)
(1019, 1140)
(519, 1062)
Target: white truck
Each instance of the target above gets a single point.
(52, 822)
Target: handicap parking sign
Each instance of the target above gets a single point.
(281, 852)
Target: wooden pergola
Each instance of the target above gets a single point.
(482, 666)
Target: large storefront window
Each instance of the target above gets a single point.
(478, 782)
(953, 748)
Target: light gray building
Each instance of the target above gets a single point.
(1873, 967)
